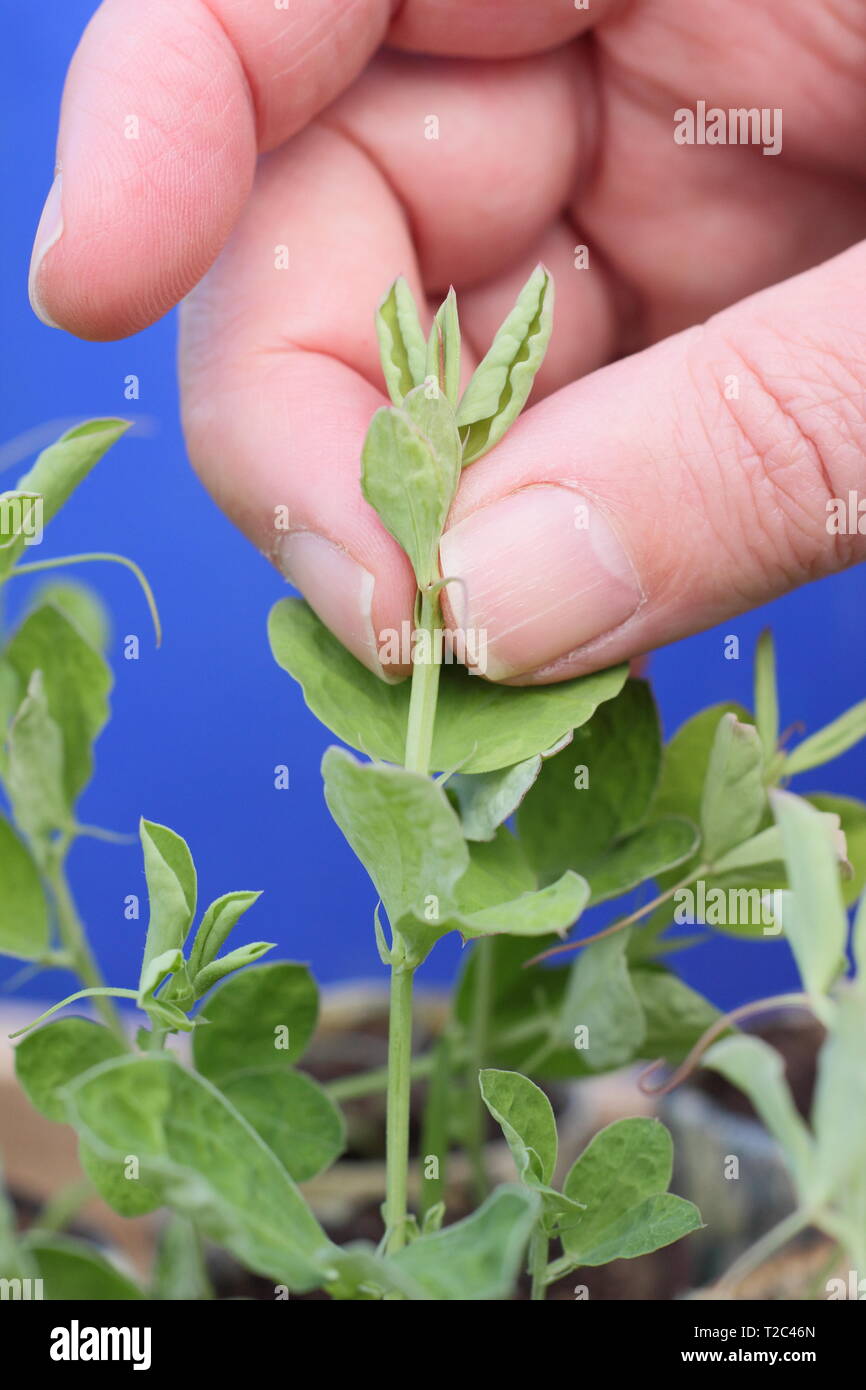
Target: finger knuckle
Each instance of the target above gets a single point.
(796, 414)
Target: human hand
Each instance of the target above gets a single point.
(706, 458)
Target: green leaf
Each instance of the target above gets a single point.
(734, 799)
(402, 347)
(652, 1224)
(60, 468)
(487, 799)
(763, 855)
(675, 1015)
(20, 524)
(684, 769)
(601, 998)
(47, 1060)
(117, 1182)
(443, 348)
(621, 1178)
(813, 917)
(164, 1013)
(408, 837)
(81, 605)
(503, 379)
(171, 891)
(73, 1272)
(525, 1116)
(77, 683)
(526, 1032)
(35, 768)
(360, 1274)
(24, 926)
(829, 743)
(599, 788)
(839, 1107)
(552, 909)
(294, 1116)
(497, 872)
(215, 927)
(204, 1159)
(11, 695)
(410, 465)
(852, 817)
(477, 1259)
(227, 964)
(403, 829)
(479, 726)
(765, 848)
(262, 1017)
(653, 850)
(766, 696)
(156, 971)
(758, 1071)
(588, 808)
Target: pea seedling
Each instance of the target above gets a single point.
(469, 810)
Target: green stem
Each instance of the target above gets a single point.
(419, 745)
(373, 1082)
(424, 694)
(399, 1089)
(482, 997)
(34, 566)
(70, 999)
(768, 1244)
(75, 943)
(435, 1125)
(539, 1247)
(63, 1207)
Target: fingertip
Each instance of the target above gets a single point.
(341, 592)
(48, 233)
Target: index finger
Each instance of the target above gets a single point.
(165, 109)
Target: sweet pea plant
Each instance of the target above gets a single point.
(499, 813)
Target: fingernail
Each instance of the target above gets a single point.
(48, 233)
(543, 573)
(337, 588)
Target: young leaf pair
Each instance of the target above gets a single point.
(415, 449)
(614, 1203)
(171, 884)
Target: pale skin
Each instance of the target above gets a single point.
(705, 390)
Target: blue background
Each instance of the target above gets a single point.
(199, 726)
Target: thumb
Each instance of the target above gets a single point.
(667, 492)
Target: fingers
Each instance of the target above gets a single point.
(277, 360)
(164, 110)
(692, 228)
(672, 489)
(490, 28)
(279, 363)
(481, 155)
